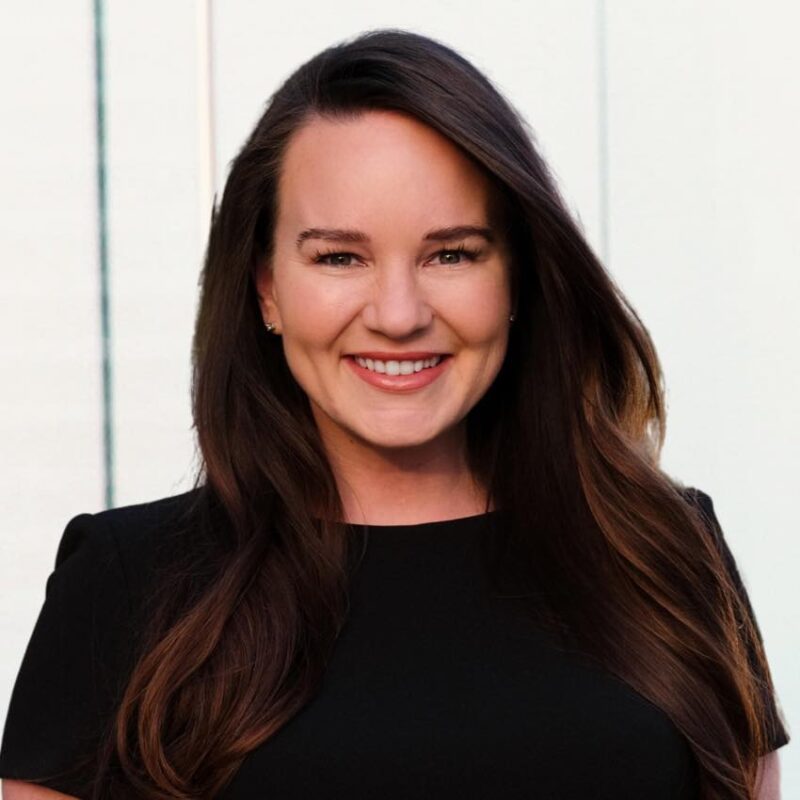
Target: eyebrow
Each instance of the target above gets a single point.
(435, 235)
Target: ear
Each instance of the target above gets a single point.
(265, 287)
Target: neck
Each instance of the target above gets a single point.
(405, 486)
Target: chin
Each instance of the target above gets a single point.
(397, 438)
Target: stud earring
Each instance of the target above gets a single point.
(511, 317)
(269, 326)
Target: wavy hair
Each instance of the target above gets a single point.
(600, 546)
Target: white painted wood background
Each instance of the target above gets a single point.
(672, 127)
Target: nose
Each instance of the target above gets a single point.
(397, 307)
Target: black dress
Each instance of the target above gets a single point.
(431, 693)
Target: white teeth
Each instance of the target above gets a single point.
(397, 367)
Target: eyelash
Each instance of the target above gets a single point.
(470, 254)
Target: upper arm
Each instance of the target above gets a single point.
(22, 790)
(774, 728)
(768, 782)
(67, 685)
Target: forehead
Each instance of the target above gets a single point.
(383, 165)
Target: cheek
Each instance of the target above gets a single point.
(480, 313)
(312, 313)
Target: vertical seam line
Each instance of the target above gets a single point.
(102, 230)
(602, 129)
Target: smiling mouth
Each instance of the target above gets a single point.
(395, 375)
(399, 366)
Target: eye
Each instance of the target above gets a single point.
(320, 258)
(461, 251)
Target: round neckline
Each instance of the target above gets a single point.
(438, 525)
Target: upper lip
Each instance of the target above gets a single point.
(415, 355)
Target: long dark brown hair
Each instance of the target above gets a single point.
(614, 557)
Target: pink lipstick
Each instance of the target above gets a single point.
(390, 363)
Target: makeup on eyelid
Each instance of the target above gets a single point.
(469, 253)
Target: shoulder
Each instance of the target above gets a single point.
(696, 497)
(701, 503)
(128, 528)
(133, 523)
(118, 549)
(133, 528)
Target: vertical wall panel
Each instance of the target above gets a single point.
(50, 403)
(155, 240)
(704, 118)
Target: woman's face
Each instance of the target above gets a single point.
(367, 287)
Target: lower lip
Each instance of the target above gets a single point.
(399, 383)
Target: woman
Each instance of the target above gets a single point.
(431, 552)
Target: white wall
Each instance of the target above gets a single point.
(671, 126)
(50, 402)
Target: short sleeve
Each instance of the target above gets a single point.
(777, 735)
(69, 679)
